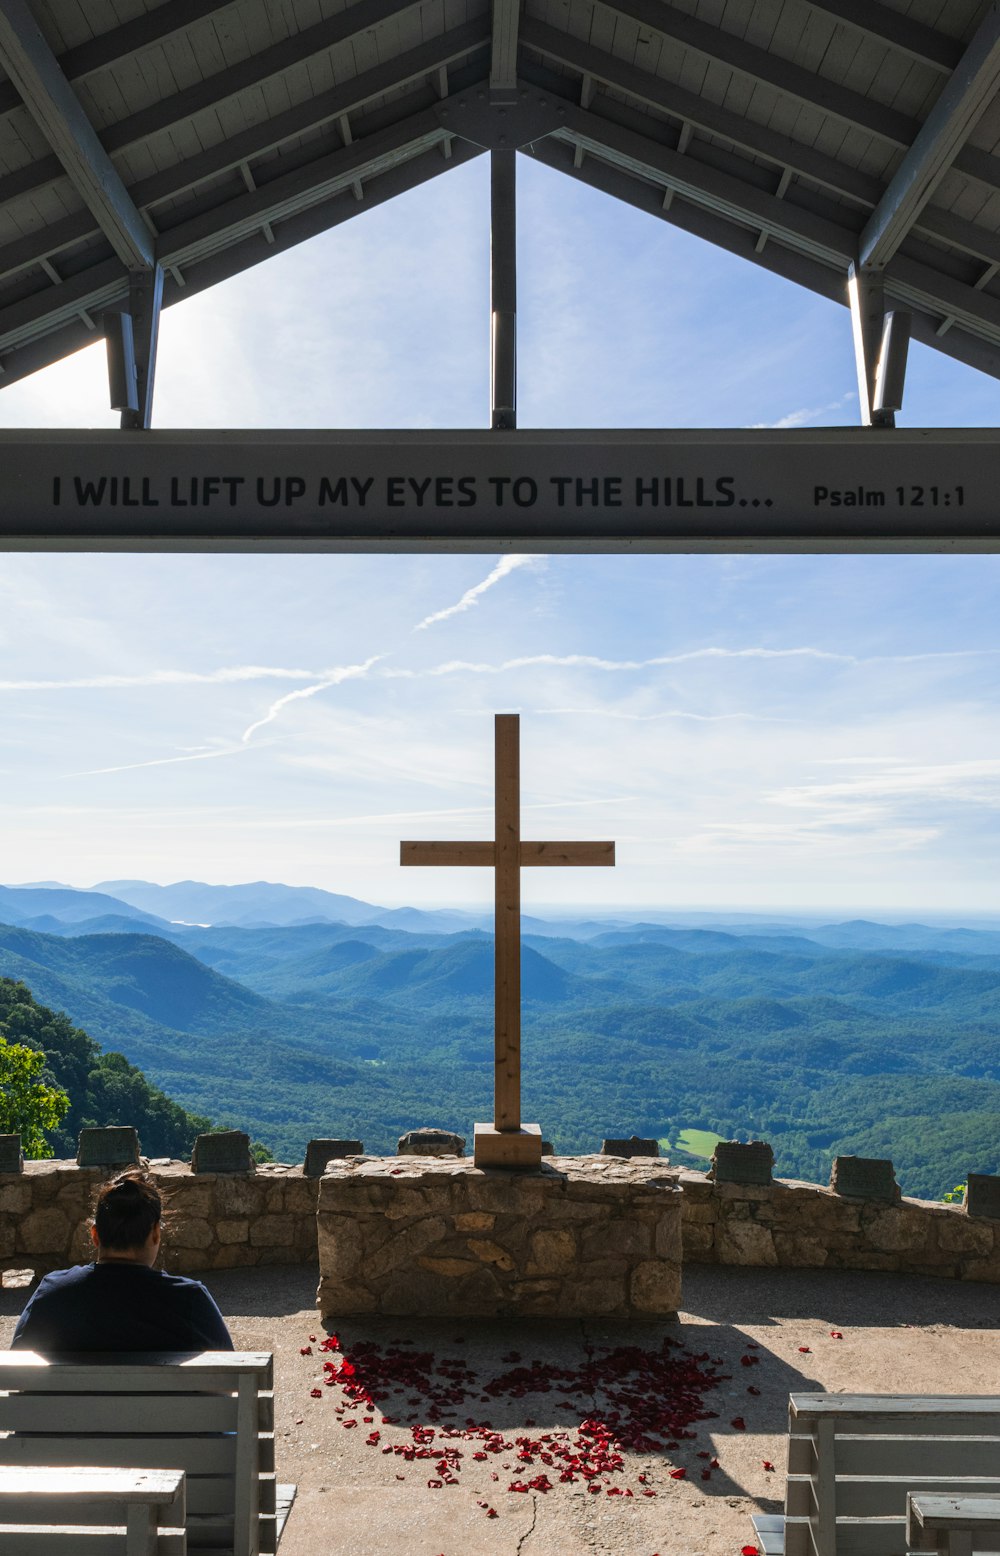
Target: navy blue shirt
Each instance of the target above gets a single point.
(120, 1307)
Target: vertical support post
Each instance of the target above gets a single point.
(866, 291)
(145, 298)
(503, 290)
(507, 924)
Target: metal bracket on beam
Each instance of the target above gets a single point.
(891, 370)
(145, 295)
(122, 391)
(501, 121)
(866, 295)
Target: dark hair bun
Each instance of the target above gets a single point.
(128, 1208)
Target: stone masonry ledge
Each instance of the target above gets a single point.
(805, 1225)
(438, 1236)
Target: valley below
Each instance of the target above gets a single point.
(292, 1017)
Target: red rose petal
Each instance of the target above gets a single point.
(835, 1334)
(804, 1349)
(767, 1464)
(678, 1474)
(749, 1550)
(739, 1423)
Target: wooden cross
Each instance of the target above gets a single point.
(506, 1142)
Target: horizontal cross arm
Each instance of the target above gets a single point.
(567, 853)
(448, 853)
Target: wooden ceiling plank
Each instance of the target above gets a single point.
(49, 98)
(935, 148)
(904, 35)
(107, 49)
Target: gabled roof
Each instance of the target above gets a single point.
(803, 135)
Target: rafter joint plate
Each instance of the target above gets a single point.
(501, 121)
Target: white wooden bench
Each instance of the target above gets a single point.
(852, 1459)
(77, 1511)
(209, 1414)
(952, 1526)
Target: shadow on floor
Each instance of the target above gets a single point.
(874, 1299)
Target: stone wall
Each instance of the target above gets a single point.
(212, 1221)
(801, 1225)
(591, 1240)
(583, 1236)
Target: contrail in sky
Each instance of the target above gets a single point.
(334, 678)
(506, 565)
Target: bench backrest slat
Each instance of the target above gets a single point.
(852, 1460)
(66, 1509)
(140, 1413)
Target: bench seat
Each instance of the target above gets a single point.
(208, 1414)
(82, 1511)
(853, 1458)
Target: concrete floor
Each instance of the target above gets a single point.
(912, 1335)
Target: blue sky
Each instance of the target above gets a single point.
(755, 732)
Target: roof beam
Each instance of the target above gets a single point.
(103, 286)
(747, 135)
(217, 89)
(349, 98)
(503, 57)
(965, 344)
(906, 36)
(945, 130)
(929, 290)
(48, 344)
(49, 98)
(815, 91)
(119, 42)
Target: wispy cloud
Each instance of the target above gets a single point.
(160, 761)
(471, 597)
(804, 417)
(225, 675)
(333, 678)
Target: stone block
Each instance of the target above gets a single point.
(319, 1152)
(735, 1162)
(982, 1195)
(800, 1250)
(553, 1252)
(668, 1239)
(635, 1145)
(744, 1242)
(405, 1246)
(627, 1240)
(191, 1232)
(341, 1248)
(336, 1300)
(225, 1150)
(11, 1159)
(864, 1177)
(431, 1142)
(655, 1287)
(474, 1221)
(272, 1232)
(957, 1234)
(232, 1231)
(15, 1199)
(899, 1230)
(452, 1268)
(45, 1231)
(594, 1298)
(403, 1204)
(117, 1145)
(490, 1253)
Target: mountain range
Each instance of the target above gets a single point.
(293, 1012)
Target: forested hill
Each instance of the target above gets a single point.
(865, 1038)
(103, 1088)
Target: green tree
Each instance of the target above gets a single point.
(27, 1105)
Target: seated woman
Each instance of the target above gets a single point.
(120, 1303)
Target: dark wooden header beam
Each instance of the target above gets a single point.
(825, 489)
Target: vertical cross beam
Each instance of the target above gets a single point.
(507, 924)
(507, 1142)
(503, 290)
